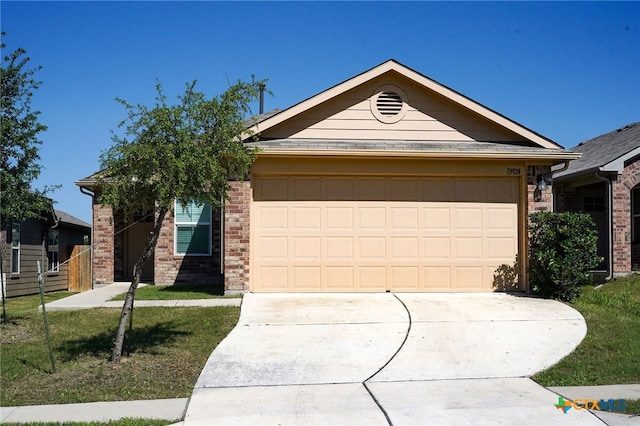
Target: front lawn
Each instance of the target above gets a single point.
(176, 292)
(610, 352)
(163, 356)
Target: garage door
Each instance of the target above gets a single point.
(330, 234)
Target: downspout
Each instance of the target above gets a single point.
(85, 191)
(610, 219)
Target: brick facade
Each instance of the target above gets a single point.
(236, 238)
(109, 252)
(103, 244)
(626, 253)
(621, 227)
(172, 269)
(546, 197)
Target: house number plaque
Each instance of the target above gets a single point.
(513, 171)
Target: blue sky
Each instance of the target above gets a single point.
(569, 71)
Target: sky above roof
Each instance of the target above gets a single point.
(569, 71)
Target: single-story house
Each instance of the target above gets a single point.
(605, 183)
(388, 181)
(51, 241)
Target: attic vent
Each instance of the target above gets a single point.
(388, 104)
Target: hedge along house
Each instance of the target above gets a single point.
(49, 240)
(605, 183)
(388, 181)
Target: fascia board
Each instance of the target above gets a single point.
(553, 156)
(617, 165)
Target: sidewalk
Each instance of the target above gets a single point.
(100, 297)
(162, 409)
(173, 409)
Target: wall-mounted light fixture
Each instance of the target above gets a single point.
(542, 183)
(541, 186)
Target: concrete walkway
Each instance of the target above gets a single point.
(163, 409)
(368, 359)
(100, 297)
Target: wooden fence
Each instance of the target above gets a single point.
(80, 269)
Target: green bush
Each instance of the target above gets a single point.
(562, 251)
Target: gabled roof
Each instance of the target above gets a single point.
(605, 153)
(67, 219)
(392, 66)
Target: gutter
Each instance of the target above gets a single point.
(517, 155)
(610, 220)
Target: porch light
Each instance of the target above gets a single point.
(542, 183)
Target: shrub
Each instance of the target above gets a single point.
(562, 251)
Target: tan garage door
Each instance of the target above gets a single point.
(382, 233)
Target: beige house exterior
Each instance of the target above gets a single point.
(388, 181)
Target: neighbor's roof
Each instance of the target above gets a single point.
(67, 219)
(605, 153)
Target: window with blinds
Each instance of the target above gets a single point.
(192, 229)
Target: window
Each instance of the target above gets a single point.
(192, 229)
(635, 215)
(15, 248)
(53, 249)
(593, 204)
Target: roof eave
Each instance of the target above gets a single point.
(582, 173)
(86, 183)
(550, 155)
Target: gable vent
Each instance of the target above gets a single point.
(388, 104)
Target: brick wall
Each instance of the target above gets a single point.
(103, 244)
(624, 253)
(546, 196)
(236, 238)
(565, 199)
(172, 269)
(621, 227)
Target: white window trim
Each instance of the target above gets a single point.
(15, 248)
(177, 205)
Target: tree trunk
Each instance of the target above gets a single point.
(137, 272)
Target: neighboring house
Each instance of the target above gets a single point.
(605, 182)
(49, 240)
(388, 181)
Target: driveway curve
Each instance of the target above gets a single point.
(388, 359)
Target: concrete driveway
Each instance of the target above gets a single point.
(388, 359)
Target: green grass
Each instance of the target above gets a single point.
(610, 352)
(633, 407)
(163, 355)
(176, 292)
